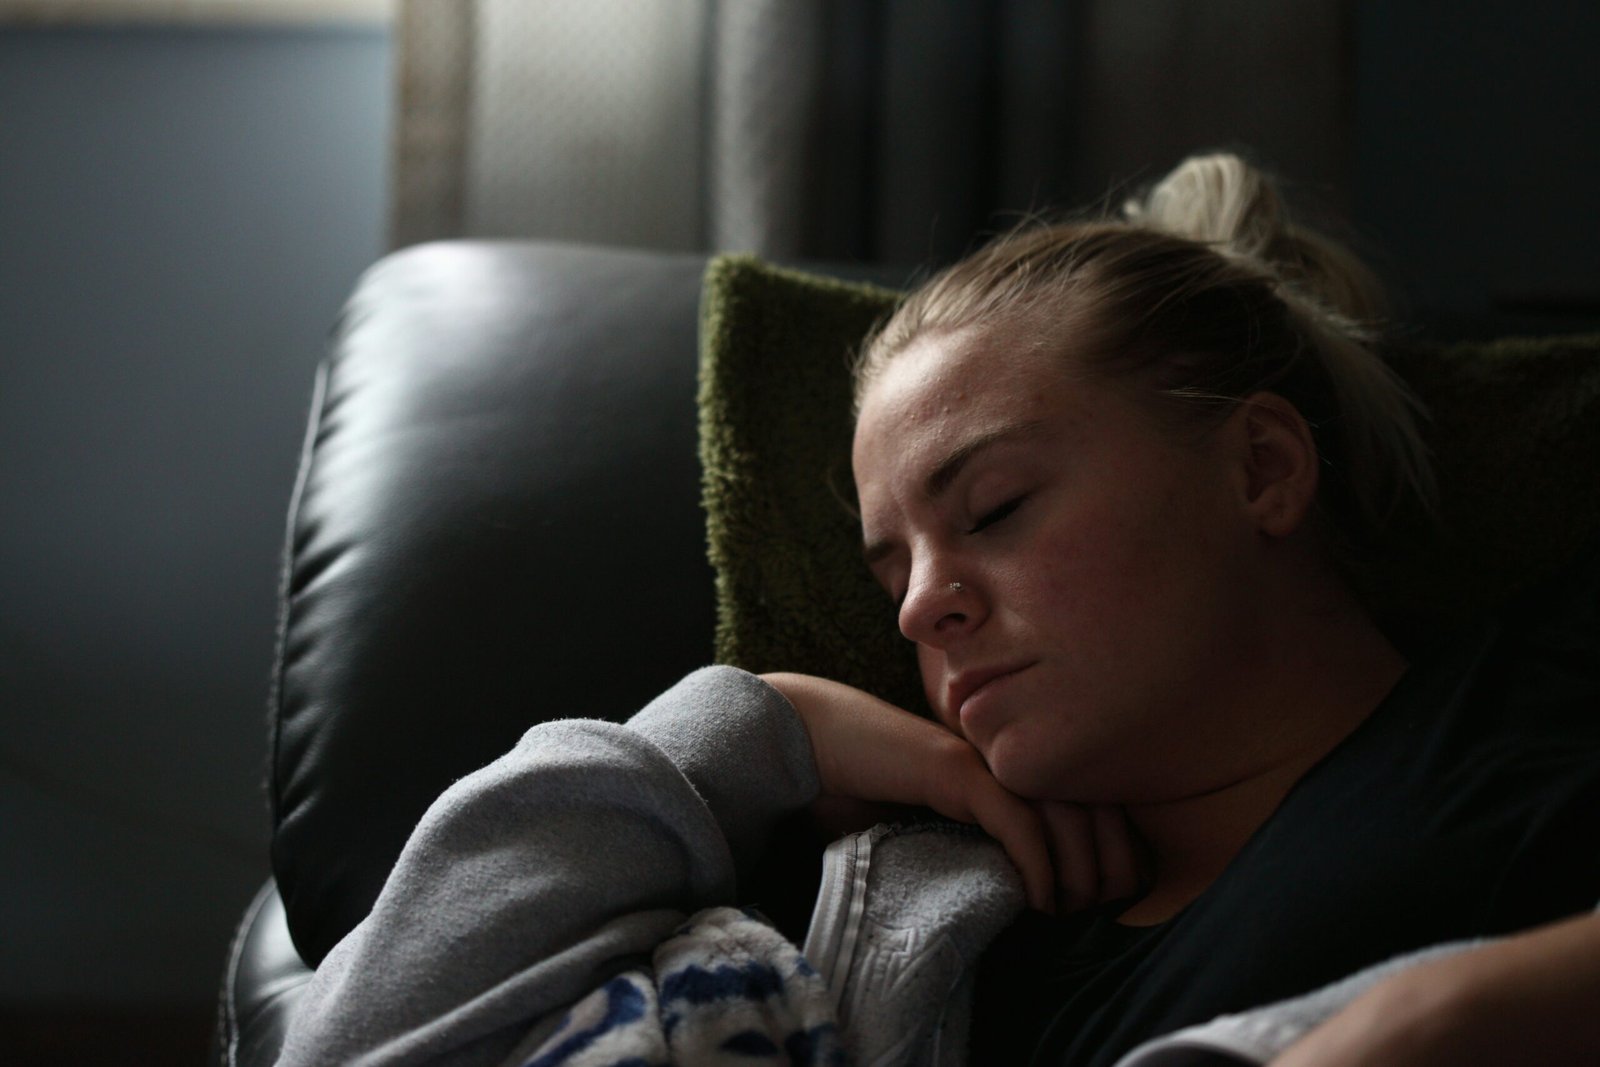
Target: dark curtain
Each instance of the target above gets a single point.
(898, 131)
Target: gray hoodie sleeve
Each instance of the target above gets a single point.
(534, 880)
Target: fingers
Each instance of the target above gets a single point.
(1021, 832)
(869, 750)
(1070, 832)
(1122, 867)
(957, 784)
(1097, 856)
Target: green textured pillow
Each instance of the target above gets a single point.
(775, 429)
(1515, 431)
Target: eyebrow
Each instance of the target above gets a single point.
(948, 469)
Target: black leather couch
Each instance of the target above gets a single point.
(496, 522)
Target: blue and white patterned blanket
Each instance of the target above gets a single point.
(725, 989)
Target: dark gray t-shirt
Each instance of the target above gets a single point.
(1467, 805)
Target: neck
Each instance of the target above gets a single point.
(1325, 677)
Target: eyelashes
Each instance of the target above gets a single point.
(986, 520)
(989, 518)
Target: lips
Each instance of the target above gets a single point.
(968, 683)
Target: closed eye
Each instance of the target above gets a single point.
(991, 517)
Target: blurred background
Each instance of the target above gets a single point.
(188, 191)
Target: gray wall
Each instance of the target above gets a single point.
(181, 214)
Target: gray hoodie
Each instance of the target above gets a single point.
(534, 882)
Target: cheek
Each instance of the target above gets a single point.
(1105, 572)
(1080, 552)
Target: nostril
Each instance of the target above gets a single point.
(934, 605)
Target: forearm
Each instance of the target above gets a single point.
(534, 880)
(1529, 998)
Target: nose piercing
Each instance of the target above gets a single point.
(955, 587)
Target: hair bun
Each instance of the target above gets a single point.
(1220, 200)
(1215, 199)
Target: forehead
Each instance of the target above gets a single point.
(945, 390)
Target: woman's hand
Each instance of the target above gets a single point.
(867, 749)
(1094, 852)
(1530, 998)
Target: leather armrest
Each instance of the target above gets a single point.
(264, 976)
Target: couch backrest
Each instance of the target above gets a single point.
(496, 523)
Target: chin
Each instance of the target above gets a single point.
(1034, 772)
(1019, 768)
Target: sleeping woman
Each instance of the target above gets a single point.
(1120, 479)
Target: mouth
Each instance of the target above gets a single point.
(971, 683)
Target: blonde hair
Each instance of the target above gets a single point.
(1206, 292)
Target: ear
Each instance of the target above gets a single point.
(1280, 463)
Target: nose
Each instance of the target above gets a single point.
(938, 608)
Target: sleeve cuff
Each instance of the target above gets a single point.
(740, 744)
